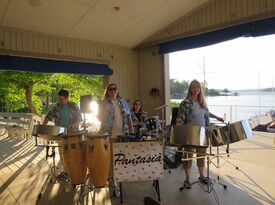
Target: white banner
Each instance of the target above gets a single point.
(137, 161)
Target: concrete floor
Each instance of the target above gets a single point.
(23, 170)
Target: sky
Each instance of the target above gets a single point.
(242, 63)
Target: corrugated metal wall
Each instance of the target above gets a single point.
(121, 60)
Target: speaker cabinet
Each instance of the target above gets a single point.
(85, 103)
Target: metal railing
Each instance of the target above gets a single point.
(233, 113)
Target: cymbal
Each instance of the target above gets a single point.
(161, 107)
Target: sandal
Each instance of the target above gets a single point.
(204, 180)
(187, 184)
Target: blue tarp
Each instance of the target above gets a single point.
(251, 29)
(8, 62)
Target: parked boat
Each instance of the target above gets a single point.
(271, 127)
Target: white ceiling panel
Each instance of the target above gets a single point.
(130, 13)
(97, 20)
(54, 16)
(149, 25)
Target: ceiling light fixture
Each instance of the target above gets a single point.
(116, 8)
(34, 3)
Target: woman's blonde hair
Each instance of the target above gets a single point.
(106, 96)
(201, 99)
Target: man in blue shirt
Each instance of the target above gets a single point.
(65, 113)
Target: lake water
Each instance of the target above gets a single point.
(244, 106)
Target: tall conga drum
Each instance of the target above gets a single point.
(98, 158)
(73, 153)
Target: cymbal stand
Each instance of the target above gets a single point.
(163, 135)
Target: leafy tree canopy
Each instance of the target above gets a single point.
(35, 92)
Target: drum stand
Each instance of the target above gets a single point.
(220, 156)
(210, 181)
(52, 176)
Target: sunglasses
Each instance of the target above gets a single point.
(112, 88)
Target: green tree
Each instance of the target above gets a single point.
(25, 90)
(19, 88)
(225, 90)
(77, 85)
(178, 89)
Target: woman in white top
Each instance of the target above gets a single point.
(114, 113)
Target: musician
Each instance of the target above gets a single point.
(115, 117)
(114, 113)
(65, 113)
(138, 116)
(193, 110)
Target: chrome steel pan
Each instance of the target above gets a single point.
(219, 136)
(239, 131)
(188, 136)
(48, 132)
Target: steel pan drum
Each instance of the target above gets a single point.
(239, 131)
(188, 135)
(231, 133)
(219, 136)
(49, 132)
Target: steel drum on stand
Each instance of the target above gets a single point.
(219, 136)
(49, 132)
(231, 133)
(188, 135)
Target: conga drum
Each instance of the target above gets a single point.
(73, 153)
(98, 158)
